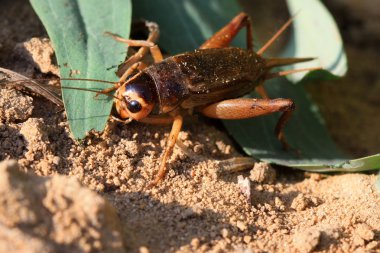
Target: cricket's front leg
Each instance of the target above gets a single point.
(134, 62)
(176, 128)
(145, 47)
(244, 108)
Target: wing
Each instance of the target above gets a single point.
(221, 73)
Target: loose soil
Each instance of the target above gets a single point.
(62, 196)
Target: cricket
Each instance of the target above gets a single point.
(210, 80)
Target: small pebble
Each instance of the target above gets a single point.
(56, 160)
(245, 186)
(224, 232)
(241, 225)
(116, 181)
(247, 239)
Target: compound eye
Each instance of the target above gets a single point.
(134, 106)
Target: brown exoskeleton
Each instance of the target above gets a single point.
(209, 80)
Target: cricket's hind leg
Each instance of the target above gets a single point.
(244, 108)
(225, 35)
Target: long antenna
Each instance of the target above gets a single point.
(69, 88)
(86, 79)
(66, 79)
(83, 89)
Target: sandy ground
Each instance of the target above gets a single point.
(62, 196)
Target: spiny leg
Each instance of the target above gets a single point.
(156, 54)
(244, 108)
(224, 36)
(129, 69)
(173, 136)
(279, 130)
(157, 57)
(144, 44)
(166, 120)
(136, 66)
(131, 43)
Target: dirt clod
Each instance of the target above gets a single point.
(302, 202)
(36, 53)
(365, 232)
(14, 106)
(263, 173)
(34, 132)
(38, 146)
(54, 214)
(306, 241)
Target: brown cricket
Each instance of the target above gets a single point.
(209, 80)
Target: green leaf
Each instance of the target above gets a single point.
(184, 25)
(193, 21)
(76, 29)
(355, 165)
(315, 34)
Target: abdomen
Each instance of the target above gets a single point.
(217, 74)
